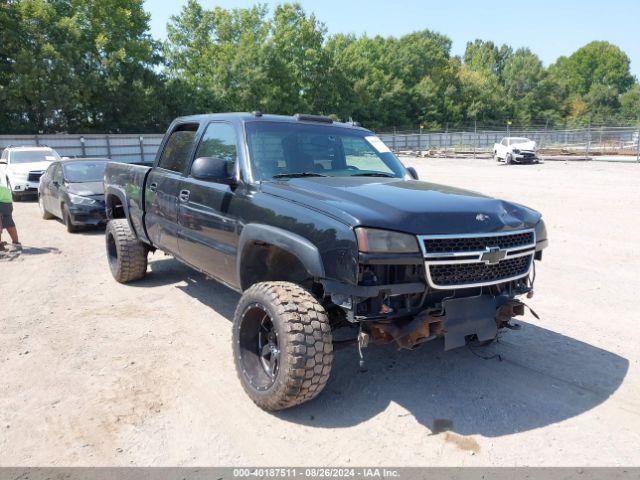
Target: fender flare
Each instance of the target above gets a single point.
(300, 247)
(125, 204)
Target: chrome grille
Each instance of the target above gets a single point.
(473, 260)
(474, 244)
(463, 273)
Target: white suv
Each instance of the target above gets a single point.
(22, 167)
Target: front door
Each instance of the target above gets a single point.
(208, 237)
(163, 186)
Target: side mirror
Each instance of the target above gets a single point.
(412, 172)
(213, 169)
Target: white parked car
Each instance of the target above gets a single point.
(516, 150)
(22, 168)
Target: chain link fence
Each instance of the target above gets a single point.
(123, 148)
(585, 142)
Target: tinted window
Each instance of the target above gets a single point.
(219, 140)
(79, 172)
(175, 156)
(280, 148)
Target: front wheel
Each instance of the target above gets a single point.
(66, 218)
(508, 159)
(282, 345)
(126, 254)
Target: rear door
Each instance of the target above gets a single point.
(208, 238)
(163, 185)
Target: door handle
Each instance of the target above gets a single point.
(184, 195)
(153, 187)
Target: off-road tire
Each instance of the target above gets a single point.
(43, 211)
(66, 218)
(304, 340)
(126, 254)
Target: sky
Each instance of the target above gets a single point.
(549, 28)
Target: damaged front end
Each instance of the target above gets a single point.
(459, 287)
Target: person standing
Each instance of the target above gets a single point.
(6, 215)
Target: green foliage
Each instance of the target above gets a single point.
(91, 66)
(78, 65)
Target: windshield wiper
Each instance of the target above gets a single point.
(373, 174)
(299, 174)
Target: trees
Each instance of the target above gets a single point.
(78, 65)
(591, 81)
(83, 66)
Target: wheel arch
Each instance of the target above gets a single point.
(116, 206)
(283, 255)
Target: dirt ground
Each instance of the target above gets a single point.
(97, 373)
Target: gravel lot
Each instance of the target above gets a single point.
(97, 373)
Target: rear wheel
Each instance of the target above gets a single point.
(282, 345)
(43, 211)
(126, 254)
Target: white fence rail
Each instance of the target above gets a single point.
(143, 147)
(583, 140)
(125, 148)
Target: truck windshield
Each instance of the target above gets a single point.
(33, 156)
(285, 149)
(81, 172)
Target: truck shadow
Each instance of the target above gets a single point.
(541, 377)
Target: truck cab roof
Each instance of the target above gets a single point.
(256, 116)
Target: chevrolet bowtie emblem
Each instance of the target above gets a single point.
(493, 255)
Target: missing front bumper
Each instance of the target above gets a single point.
(460, 319)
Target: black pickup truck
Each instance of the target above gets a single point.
(320, 227)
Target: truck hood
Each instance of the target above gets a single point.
(404, 205)
(23, 168)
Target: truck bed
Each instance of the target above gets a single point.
(127, 182)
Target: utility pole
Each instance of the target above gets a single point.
(589, 137)
(475, 136)
(638, 140)
(394, 140)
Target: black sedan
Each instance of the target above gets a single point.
(73, 190)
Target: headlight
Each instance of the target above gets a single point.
(516, 150)
(78, 200)
(373, 240)
(20, 175)
(541, 231)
